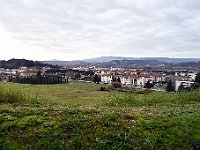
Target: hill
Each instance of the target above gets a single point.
(16, 63)
(131, 63)
(65, 63)
(106, 59)
(118, 121)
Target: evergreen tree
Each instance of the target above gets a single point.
(96, 79)
(148, 85)
(196, 82)
(170, 87)
(197, 79)
(119, 80)
(114, 79)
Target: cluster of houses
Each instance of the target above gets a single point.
(131, 77)
(138, 78)
(128, 77)
(6, 74)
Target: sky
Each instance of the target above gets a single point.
(80, 29)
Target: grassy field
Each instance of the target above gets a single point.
(76, 92)
(79, 116)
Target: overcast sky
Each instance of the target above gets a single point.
(78, 29)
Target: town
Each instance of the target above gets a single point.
(137, 77)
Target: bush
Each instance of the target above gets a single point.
(116, 85)
(103, 88)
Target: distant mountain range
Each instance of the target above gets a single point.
(109, 61)
(104, 59)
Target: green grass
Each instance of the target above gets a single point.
(154, 98)
(79, 116)
(74, 93)
(161, 86)
(11, 95)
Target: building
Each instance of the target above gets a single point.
(184, 83)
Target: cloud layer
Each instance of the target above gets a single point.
(101, 27)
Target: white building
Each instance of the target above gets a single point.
(106, 79)
(185, 83)
(192, 75)
(135, 81)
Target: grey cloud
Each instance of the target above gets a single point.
(156, 27)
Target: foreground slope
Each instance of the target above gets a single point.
(119, 121)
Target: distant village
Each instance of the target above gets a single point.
(128, 77)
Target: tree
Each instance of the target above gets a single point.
(114, 79)
(96, 79)
(148, 85)
(89, 72)
(170, 87)
(196, 82)
(39, 74)
(197, 78)
(77, 76)
(119, 80)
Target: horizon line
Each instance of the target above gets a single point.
(107, 57)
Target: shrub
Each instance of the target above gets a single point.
(116, 85)
(103, 88)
